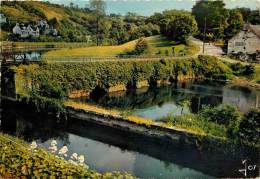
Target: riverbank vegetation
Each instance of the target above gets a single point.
(18, 159)
(248, 73)
(223, 121)
(48, 85)
(49, 79)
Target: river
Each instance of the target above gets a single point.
(107, 149)
(186, 97)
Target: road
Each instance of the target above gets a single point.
(210, 49)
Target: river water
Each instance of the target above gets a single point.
(107, 149)
(187, 97)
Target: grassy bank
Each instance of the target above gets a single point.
(223, 123)
(249, 81)
(157, 45)
(19, 160)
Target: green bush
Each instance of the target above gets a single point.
(244, 70)
(196, 124)
(249, 127)
(224, 114)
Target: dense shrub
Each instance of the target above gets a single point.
(224, 114)
(244, 70)
(249, 127)
(51, 90)
(213, 68)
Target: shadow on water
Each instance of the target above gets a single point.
(158, 102)
(113, 144)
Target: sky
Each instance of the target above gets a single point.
(148, 7)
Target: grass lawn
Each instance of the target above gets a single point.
(256, 76)
(3, 35)
(156, 44)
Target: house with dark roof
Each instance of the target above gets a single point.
(246, 41)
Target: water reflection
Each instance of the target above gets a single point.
(157, 103)
(108, 149)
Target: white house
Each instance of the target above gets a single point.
(247, 41)
(25, 32)
(17, 29)
(2, 18)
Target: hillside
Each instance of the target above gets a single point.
(65, 19)
(74, 24)
(158, 45)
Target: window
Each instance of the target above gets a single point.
(239, 44)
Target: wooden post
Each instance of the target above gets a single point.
(256, 103)
(204, 36)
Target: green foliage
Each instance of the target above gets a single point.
(213, 68)
(181, 27)
(216, 17)
(17, 160)
(244, 70)
(223, 121)
(49, 90)
(141, 46)
(235, 23)
(59, 79)
(223, 114)
(249, 127)
(75, 24)
(221, 23)
(249, 15)
(197, 124)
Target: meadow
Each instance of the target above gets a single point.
(157, 45)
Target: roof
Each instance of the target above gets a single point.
(256, 29)
(253, 28)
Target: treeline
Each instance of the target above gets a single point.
(220, 22)
(78, 24)
(93, 25)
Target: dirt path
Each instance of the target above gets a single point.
(210, 49)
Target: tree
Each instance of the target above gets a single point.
(181, 27)
(54, 22)
(249, 127)
(215, 14)
(98, 9)
(141, 46)
(235, 23)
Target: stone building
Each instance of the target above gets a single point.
(25, 32)
(246, 41)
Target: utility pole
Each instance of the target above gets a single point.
(204, 35)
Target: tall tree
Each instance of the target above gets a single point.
(98, 9)
(182, 27)
(235, 23)
(216, 16)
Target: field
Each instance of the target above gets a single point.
(157, 45)
(256, 77)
